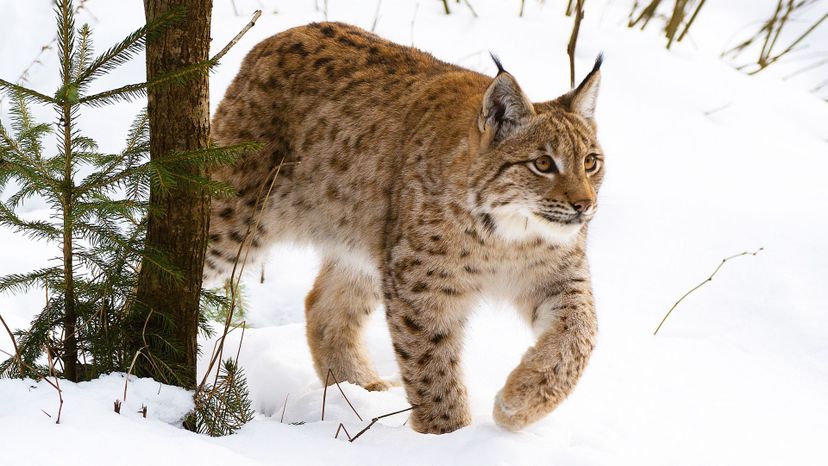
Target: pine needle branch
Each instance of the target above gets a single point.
(11, 88)
(123, 51)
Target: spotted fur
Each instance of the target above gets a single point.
(425, 186)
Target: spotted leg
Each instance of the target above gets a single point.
(563, 316)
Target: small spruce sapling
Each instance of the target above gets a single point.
(98, 221)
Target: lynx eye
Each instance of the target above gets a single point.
(545, 164)
(592, 163)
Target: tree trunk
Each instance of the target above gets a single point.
(179, 119)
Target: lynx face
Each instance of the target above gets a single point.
(539, 176)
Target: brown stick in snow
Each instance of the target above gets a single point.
(707, 280)
(325, 394)
(373, 421)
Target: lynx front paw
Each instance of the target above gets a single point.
(509, 416)
(426, 422)
(527, 397)
(378, 385)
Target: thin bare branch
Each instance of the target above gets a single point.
(376, 16)
(690, 21)
(573, 40)
(56, 385)
(238, 36)
(325, 394)
(707, 280)
(373, 421)
(284, 408)
(471, 8)
(16, 356)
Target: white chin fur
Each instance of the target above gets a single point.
(521, 225)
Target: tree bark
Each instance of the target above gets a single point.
(179, 119)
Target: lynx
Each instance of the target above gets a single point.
(425, 186)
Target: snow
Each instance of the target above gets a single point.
(703, 162)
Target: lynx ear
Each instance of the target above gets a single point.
(504, 110)
(582, 99)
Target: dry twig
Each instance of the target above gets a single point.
(573, 40)
(373, 29)
(690, 22)
(717, 109)
(284, 408)
(471, 8)
(16, 356)
(707, 280)
(56, 385)
(238, 36)
(373, 421)
(325, 394)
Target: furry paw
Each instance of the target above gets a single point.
(378, 385)
(527, 397)
(508, 414)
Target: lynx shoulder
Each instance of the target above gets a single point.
(424, 186)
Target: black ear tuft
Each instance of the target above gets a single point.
(497, 62)
(581, 100)
(599, 60)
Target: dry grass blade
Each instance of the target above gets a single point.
(238, 270)
(325, 394)
(692, 19)
(707, 280)
(284, 408)
(129, 371)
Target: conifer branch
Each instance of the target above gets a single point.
(22, 282)
(177, 77)
(15, 88)
(133, 43)
(130, 92)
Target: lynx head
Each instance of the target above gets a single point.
(536, 167)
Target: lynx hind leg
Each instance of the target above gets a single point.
(336, 310)
(238, 228)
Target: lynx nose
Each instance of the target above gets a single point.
(582, 206)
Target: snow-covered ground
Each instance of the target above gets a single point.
(703, 162)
